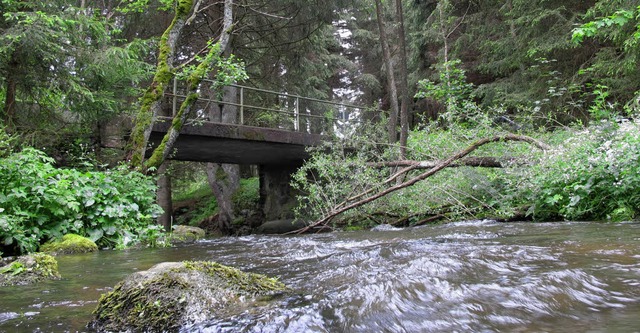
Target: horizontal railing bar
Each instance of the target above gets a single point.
(264, 109)
(293, 96)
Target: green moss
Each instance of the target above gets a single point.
(184, 8)
(70, 243)
(171, 295)
(143, 308)
(46, 265)
(161, 79)
(354, 227)
(29, 269)
(244, 283)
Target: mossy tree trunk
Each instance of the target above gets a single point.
(152, 98)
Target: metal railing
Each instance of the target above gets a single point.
(304, 114)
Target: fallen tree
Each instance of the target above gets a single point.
(486, 162)
(368, 196)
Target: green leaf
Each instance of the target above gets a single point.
(95, 234)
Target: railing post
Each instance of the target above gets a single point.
(175, 96)
(241, 105)
(296, 124)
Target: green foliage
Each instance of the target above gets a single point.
(207, 207)
(594, 175)
(248, 194)
(67, 66)
(191, 187)
(600, 26)
(14, 268)
(452, 90)
(39, 202)
(140, 6)
(7, 142)
(338, 170)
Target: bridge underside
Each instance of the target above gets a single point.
(236, 144)
(278, 153)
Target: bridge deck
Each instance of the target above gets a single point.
(236, 144)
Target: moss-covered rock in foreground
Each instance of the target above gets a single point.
(69, 244)
(171, 295)
(29, 269)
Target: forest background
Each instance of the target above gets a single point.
(439, 75)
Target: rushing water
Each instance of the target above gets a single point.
(465, 277)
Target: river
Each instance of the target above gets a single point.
(476, 276)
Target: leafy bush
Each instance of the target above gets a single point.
(7, 141)
(338, 170)
(39, 202)
(595, 175)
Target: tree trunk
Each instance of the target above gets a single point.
(164, 196)
(391, 81)
(224, 179)
(9, 109)
(404, 89)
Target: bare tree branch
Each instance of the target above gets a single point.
(486, 162)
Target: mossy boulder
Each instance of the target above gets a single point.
(172, 295)
(186, 234)
(29, 269)
(69, 244)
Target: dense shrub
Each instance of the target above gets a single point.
(39, 202)
(594, 175)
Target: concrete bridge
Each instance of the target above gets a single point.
(273, 131)
(236, 144)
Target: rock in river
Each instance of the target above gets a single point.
(186, 234)
(176, 294)
(29, 269)
(69, 244)
(280, 226)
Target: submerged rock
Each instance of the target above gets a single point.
(280, 226)
(186, 234)
(172, 295)
(69, 244)
(29, 269)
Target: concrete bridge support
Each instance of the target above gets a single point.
(277, 198)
